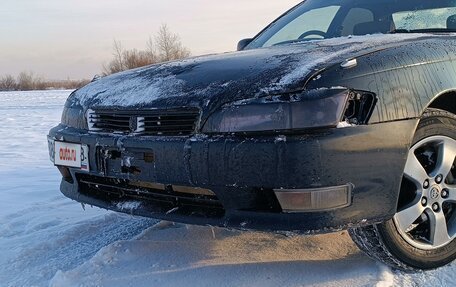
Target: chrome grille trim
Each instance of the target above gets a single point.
(172, 122)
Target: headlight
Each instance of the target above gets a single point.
(319, 108)
(74, 117)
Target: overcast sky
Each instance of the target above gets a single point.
(57, 39)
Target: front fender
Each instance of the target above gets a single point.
(406, 79)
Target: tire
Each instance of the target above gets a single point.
(424, 243)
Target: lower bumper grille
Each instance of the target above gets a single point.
(160, 200)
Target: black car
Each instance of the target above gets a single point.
(341, 114)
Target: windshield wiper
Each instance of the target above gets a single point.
(399, 31)
(295, 41)
(431, 30)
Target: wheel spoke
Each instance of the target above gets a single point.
(452, 226)
(407, 216)
(414, 170)
(446, 156)
(439, 229)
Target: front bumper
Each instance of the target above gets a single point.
(243, 172)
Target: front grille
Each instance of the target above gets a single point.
(162, 200)
(175, 122)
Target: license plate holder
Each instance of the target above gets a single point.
(71, 155)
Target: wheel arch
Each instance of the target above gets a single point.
(446, 101)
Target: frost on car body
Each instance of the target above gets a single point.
(301, 130)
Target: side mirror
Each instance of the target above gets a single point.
(243, 43)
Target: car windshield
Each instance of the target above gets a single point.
(324, 19)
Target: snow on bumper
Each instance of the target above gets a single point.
(233, 179)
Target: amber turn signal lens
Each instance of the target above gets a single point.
(315, 199)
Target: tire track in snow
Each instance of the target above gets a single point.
(41, 255)
(178, 255)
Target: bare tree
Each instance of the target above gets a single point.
(165, 46)
(39, 84)
(127, 59)
(118, 55)
(169, 45)
(117, 63)
(8, 83)
(152, 50)
(25, 81)
(134, 58)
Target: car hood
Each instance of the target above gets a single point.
(208, 82)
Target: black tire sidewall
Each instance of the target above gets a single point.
(433, 123)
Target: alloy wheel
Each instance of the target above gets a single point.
(426, 217)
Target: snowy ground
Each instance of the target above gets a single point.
(48, 240)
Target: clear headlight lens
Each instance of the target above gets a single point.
(321, 108)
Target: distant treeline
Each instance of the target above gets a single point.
(27, 81)
(162, 47)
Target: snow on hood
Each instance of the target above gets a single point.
(218, 79)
